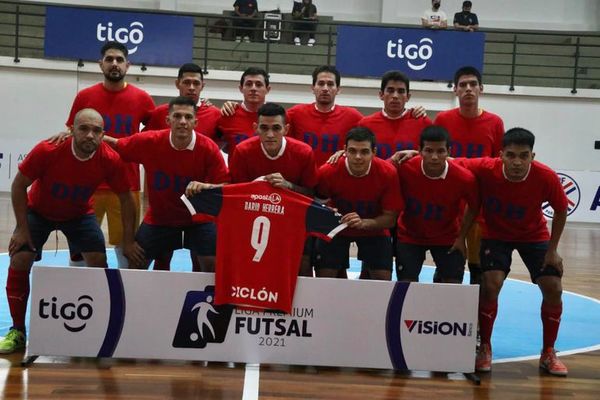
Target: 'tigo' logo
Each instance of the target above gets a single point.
(75, 315)
(201, 322)
(134, 34)
(416, 55)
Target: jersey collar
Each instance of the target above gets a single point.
(190, 146)
(75, 154)
(324, 112)
(281, 151)
(442, 176)
(350, 172)
(386, 115)
(521, 180)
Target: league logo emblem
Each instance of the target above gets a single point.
(572, 192)
(201, 322)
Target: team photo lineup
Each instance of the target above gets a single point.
(300, 191)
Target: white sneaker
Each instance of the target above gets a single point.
(311, 42)
(297, 41)
(238, 39)
(246, 39)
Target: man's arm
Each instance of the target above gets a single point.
(131, 249)
(467, 222)
(386, 219)
(111, 141)
(278, 181)
(552, 257)
(21, 235)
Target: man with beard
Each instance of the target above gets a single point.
(123, 107)
(63, 178)
(434, 18)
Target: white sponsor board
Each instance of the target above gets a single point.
(171, 315)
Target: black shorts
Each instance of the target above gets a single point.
(157, 239)
(410, 257)
(374, 251)
(83, 233)
(496, 255)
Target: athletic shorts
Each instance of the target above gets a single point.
(410, 257)
(83, 233)
(374, 251)
(157, 239)
(107, 202)
(496, 255)
(474, 243)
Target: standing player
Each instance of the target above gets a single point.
(284, 162)
(435, 190)
(366, 190)
(172, 158)
(513, 188)
(63, 178)
(395, 127)
(237, 122)
(474, 133)
(323, 124)
(123, 107)
(189, 82)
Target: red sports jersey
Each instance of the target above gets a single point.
(237, 127)
(367, 195)
(472, 137)
(206, 119)
(393, 135)
(325, 132)
(296, 163)
(169, 171)
(512, 211)
(434, 207)
(63, 185)
(267, 227)
(123, 112)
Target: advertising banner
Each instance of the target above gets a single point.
(170, 315)
(150, 38)
(422, 54)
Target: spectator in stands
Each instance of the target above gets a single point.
(305, 12)
(246, 12)
(434, 18)
(466, 20)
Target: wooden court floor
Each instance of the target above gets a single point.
(70, 378)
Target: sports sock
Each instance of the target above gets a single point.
(487, 315)
(17, 293)
(550, 322)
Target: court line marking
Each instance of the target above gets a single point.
(251, 380)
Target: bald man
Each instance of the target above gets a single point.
(63, 178)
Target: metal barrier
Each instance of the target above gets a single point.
(512, 57)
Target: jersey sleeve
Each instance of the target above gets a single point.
(209, 201)
(34, 165)
(217, 170)
(115, 178)
(473, 197)
(132, 148)
(323, 222)
(156, 120)
(309, 174)
(498, 136)
(148, 107)
(238, 168)
(75, 107)
(392, 197)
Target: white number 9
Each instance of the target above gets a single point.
(260, 236)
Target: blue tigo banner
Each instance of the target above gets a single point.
(150, 38)
(420, 53)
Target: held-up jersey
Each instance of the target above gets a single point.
(122, 111)
(169, 171)
(512, 211)
(267, 227)
(324, 132)
(63, 185)
(392, 135)
(434, 207)
(206, 119)
(472, 137)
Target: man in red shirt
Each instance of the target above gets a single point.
(395, 127)
(474, 132)
(172, 159)
(63, 178)
(283, 161)
(124, 107)
(366, 190)
(513, 188)
(434, 190)
(323, 124)
(237, 122)
(189, 82)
